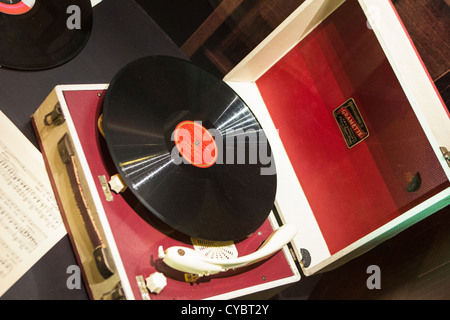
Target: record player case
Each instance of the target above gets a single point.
(115, 240)
(358, 132)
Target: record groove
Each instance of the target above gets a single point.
(226, 196)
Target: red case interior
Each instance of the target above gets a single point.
(352, 191)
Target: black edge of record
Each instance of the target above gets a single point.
(143, 104)
(49, 34)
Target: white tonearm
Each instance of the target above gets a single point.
(190, 261)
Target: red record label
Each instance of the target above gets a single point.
(15, 7)
(195, 144)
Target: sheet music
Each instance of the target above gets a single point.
(30, 222)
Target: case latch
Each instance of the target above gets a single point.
(446, 154)
(115, 294)
(55, 117)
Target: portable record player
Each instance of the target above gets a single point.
(358, 134)
(117, 240)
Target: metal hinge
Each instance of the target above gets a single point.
(446, 154)
(142, 287)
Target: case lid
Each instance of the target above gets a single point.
(355, 124)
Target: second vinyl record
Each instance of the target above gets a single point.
(41, 34)
(189, 148)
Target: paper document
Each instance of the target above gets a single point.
(30, 222)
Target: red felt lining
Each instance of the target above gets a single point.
(353, 191)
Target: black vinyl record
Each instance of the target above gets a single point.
(158, 113)
(41, 34)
